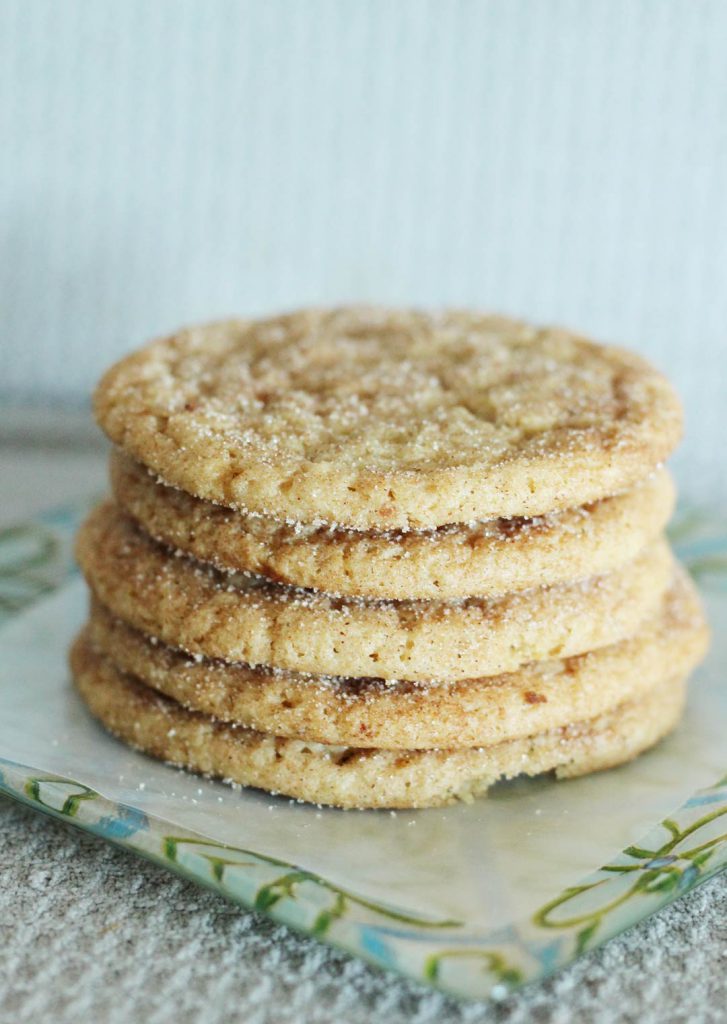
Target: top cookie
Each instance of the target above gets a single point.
(377, 419)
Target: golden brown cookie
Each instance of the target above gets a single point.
(353, 777)
(450, 562)
(371, 713)
(240, 618)
(376, 419)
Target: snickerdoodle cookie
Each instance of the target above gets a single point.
(452, 561)
(377, 419)
(380, 558)
(349, 776)
(372, 713)
(249, 619)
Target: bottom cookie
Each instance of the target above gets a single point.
(352, 777)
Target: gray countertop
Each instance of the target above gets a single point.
(92, 933)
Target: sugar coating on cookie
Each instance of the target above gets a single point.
(347, 776)
(373, 713)
(459, 560)
(378, 558)
(376, 419)
(249, 619)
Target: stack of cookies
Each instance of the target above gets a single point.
(371, 558)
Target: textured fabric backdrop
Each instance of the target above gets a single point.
(172, 160)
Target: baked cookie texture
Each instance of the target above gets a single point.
(248, 619)
(452, 561)
(354, 777)
(376, 558)
(417, 716)
(373, 418)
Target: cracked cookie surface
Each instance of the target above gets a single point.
(380, 419)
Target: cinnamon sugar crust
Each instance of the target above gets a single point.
(381, 419)
(449, 562)
(372, 713)
(353, 777)
(241, 618)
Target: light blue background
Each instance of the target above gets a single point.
(165, 161)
